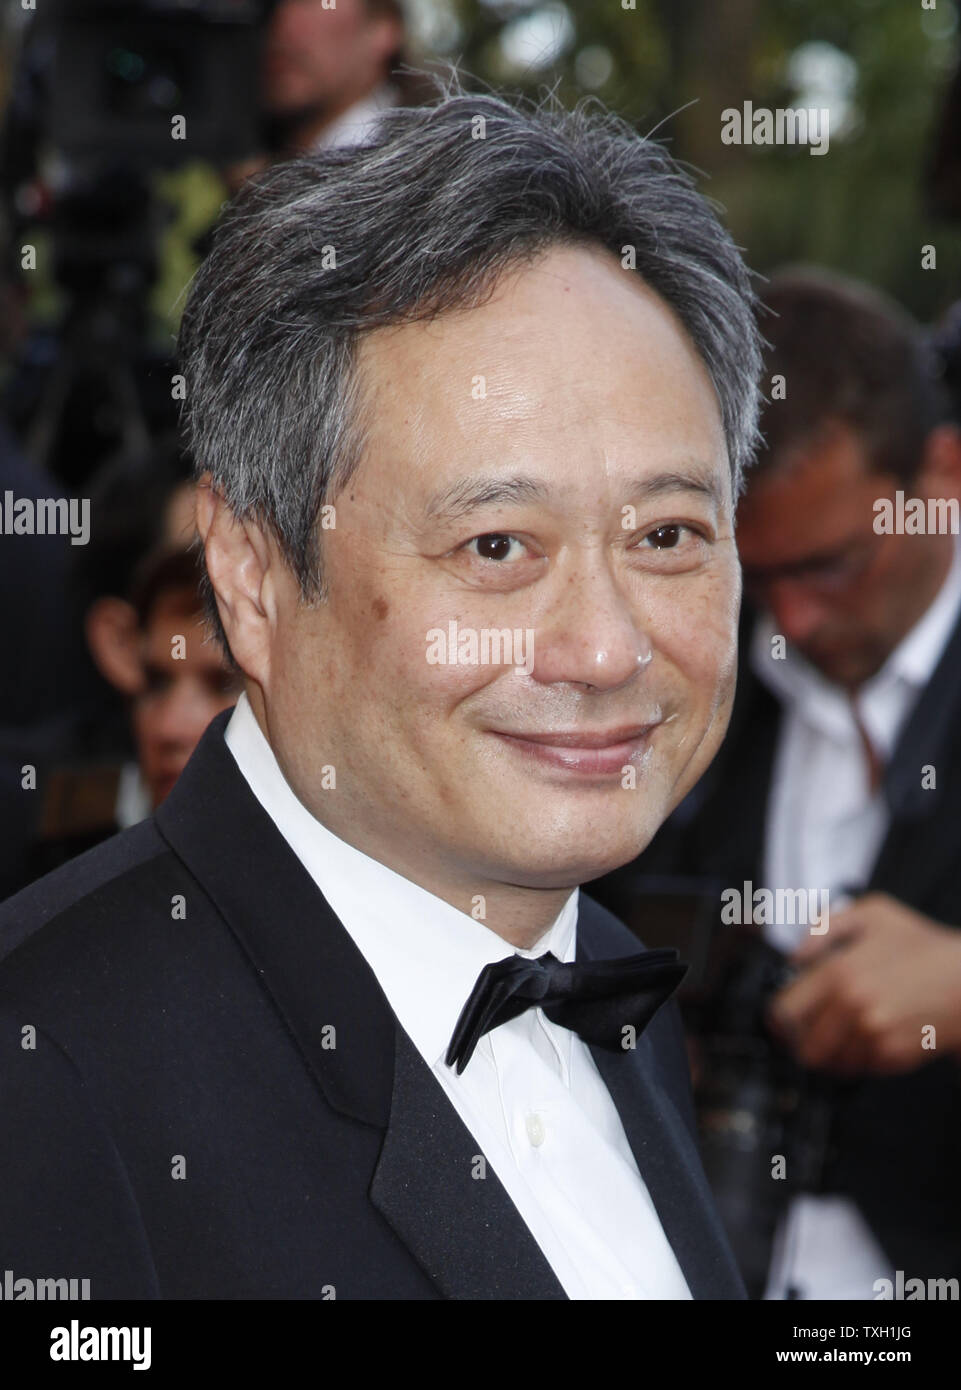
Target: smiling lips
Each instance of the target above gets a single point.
(579, 751)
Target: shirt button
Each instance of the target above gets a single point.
(536, 1132)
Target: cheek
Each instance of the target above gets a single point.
(426, 678)
(376, 665)
(145, 725)
(703, 653)
(698, 635)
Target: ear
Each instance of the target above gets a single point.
(110, 625)
(242, 564)
(940, 471)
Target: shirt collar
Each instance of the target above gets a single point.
(797, 683)
(425, 953)
(919, 651)
(355, 125)
(133, 802)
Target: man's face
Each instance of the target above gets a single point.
(506, 442)
(842, 595)
(180, 695)
(317, 59)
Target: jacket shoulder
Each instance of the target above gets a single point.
(79, 886)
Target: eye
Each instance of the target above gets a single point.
(495, 545)
(666, 537)
(672, 535)
(671, 548)
(156, 681)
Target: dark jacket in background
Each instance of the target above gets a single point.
(897, 1146)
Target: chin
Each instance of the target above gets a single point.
(549, 866)
(847, 676)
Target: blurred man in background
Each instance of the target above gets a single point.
(138, 586)
(326, 73)
(843, 763)
(174, 680)
(326, 76)
(185, 681)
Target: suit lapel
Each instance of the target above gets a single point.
(667, 1158)
(923, 821)
(462, 1227)
(305, 960)
(465, 1232)
(671, 1167)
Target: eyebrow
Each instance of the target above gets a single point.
(700, 480)
(469, 494)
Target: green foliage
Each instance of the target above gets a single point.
(676, 64)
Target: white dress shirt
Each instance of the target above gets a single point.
(356, 124)
(531, 1094)
(133, 803)
(824, 830)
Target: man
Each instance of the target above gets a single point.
(185, 680)
(470, 407)
(326, 70)
(842, 761)
(327, 74)
(134, 586)
(174, 681)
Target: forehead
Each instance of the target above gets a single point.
(573, 362)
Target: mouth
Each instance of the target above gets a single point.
(821, 654)
(603, 753)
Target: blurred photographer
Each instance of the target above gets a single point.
(836, 1044)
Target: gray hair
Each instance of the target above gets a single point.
(423, 219)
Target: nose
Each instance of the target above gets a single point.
(797, 612)
(593, 635)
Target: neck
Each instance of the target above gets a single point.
(941, 558)
(928, 584)
(518, 914)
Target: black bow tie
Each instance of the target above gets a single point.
(598, 1000)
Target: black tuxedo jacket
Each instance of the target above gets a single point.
(897, 1149)
(182, 1128)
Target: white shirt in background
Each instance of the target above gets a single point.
(353, 126)
(824, 830)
